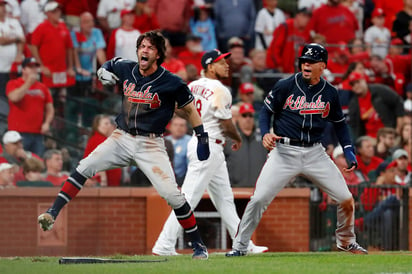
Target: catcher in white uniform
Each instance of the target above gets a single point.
(213, 101)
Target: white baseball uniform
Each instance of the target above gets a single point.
(213, 102)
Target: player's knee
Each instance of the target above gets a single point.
(348, 205)
(174, 200)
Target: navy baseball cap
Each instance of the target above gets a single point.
(29, 61)
(213, 56)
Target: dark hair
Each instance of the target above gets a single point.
(350, 69)
(158, 40)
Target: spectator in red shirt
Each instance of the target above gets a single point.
(193, 53)
(358, 52)
(52, 47)
(335, 22)
(339, 62)
(365, 155)
(53, 159)
(383, 73)
(144, 19)
(391, 8)
(173, 18)
(72, 10)
(286, 42)
(373, 107)
(173, 64)
(31, 107)
(101, 129)
(401, 63)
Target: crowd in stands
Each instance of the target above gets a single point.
(50, 51)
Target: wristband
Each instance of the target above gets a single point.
(199, 129)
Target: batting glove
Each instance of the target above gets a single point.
(106, 77)
(203, 151)
(350, 157)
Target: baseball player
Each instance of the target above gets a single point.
(301, 105)
(213, 102)
(150, 94)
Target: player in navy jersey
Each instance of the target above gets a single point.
(150, 95)
(301, 105)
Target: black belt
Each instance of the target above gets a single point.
(298, 143)
(135, 132)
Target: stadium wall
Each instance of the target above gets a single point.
(119, 220)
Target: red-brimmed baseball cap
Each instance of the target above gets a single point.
(246, 88)
(355, 76)
(378, 12)
(396, 42)
(246, 108)
(125, 11)
(213, 56)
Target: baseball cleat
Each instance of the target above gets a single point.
(235, 253)
(199, 251)
(164, 252)
(354, 248)
(255, 249)
(46, 221)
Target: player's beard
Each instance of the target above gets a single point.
(221, 76)
(306, 79)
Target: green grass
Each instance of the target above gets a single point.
(328, 262)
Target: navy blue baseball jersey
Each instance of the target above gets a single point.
(302, 110)
(148, 102)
